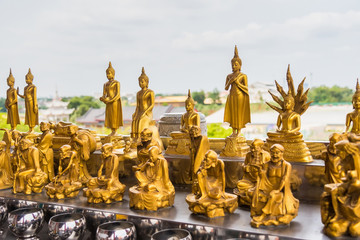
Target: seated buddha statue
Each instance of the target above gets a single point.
(106, 187)
(273, 202)
(66, 184)
(289, 122)
(254, 163)
(154, 189)
(28, 177)
(209, 196)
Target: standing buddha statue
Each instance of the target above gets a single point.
(11, 103)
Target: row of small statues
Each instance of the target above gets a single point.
(265, 186)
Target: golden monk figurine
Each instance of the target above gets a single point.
(83, 143)
(11, 103)
(289, 123)
(237, 109)
(111, 97)
(147, 141)
(180, 142)
(6, 171)
(254, 163)
(29, 177)
(106, 186)
(208, 196)
(31, 106)
(198, 148)
(340, 207)
(273, 202)
(45, 149)
(144, 105)
(154, 189)
(66, 184)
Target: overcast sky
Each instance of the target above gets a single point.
(182, 44)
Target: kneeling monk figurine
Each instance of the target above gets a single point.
(154, 189)
(209, 196)
(106, 187)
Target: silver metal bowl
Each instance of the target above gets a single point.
(145, 227)
(172, 234)
(67, 226)
(26, 222)
(51, 210)
(94, 218)
(14, 204)
(118, 230)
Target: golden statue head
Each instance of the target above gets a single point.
(277, 152)
(29, 77)
(45, 126)
(356, 96)
(256, 145)
(289, 102)
(143, 79)
(236, 61)
(64, 150)
(146, 135)
(10, 80)
(25, 144)
(106, 150)
(189, 102)
(110, 72)
(210, 159)
(72, 129)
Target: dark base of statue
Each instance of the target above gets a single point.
(212, 207)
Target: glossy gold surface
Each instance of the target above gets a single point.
(67, 183)
(354, 116)
(340, 207)
(11, 103)
(6, 171)
(31, 106)
(253, 165)
(28, 177)
(46, 152)
(293, 105)
(209, 196)
(237, 107)
(180, 140)
(144, 105)
(154, 189)
(106, 187)
(111, 97)
(273, 202)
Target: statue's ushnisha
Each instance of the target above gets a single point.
(293, 105)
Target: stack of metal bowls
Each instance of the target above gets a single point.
(26, 222)
(172, 234)
(116, 230)
(69, 226)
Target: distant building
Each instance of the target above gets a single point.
(56, 111)
(175, 101)
(96, 117)
(258, 92)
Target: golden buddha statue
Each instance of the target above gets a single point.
(144, 105)
(354, 116)
(237, 109)
(340, 207)
(253, 165)
(11, 103)
(31, 106)
(111, 97)
(147, 141)
(209, 196)
(45, 149)
(106, 186)
(66, 184)
(154, 189)
(29, 177)
(83, 143)
(273, 202)
(289, 123)
(198, 148)
(6, 171)
(333, 167)
(180, 142)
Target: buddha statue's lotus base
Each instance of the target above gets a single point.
(235, 146)
(151, 200)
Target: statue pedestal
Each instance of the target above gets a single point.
(59, 191)
(296, 149)
(212, 207)
(151, 200)
(99, 195)
(117, 141)
(235, 147)
(179, 146)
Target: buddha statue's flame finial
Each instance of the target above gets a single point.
(143, 74)
(110, 69)
(29, 75)
(357, 86)
(236, 56)
(11, 77)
